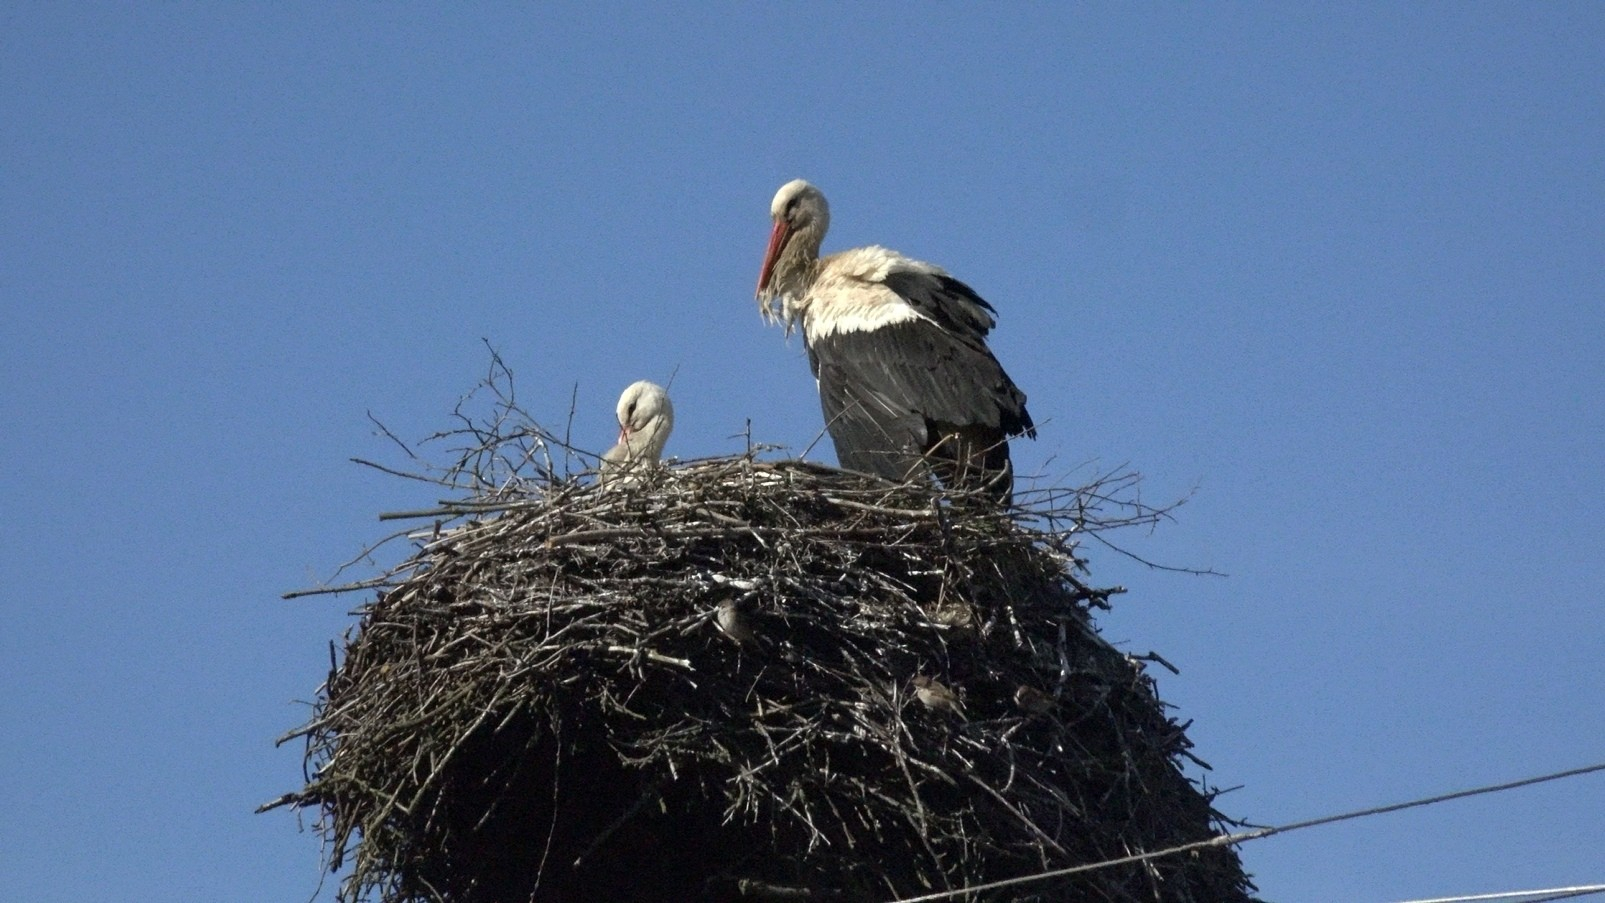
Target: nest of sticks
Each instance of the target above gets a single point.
(702, 687)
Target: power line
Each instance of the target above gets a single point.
(1521, 896)
(1568, 896)
(1245, 836)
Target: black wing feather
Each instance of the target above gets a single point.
(921, 391)
(947, 301)
(889, 393)
(873, 432)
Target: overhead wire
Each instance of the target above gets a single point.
(1566, 896)
(1256, 834)
(1520, 896)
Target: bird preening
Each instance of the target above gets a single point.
(898, 347)
(646, 416)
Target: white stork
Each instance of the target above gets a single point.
(899, 350)
(645, 418)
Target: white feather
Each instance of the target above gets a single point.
(850, 294)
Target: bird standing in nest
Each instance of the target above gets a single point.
(735, 623)
(1030, 699)
(646, 416)
(935, 695)
(899, 349)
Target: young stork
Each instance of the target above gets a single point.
(645, 418)
(898, 348)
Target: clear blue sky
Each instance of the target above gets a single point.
(1340, 269)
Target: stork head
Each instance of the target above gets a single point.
(645, 418)
(801, 217)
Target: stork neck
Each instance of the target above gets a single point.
(795, 268)
(796, 272)
(653, 437)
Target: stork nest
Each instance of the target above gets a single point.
(540, 704)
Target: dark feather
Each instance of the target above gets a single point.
(897, 393)
(950, 303)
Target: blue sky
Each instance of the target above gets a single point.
(1337, 269)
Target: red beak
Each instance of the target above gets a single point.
(777, 239)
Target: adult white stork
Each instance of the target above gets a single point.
(899, 350)
(645, 418)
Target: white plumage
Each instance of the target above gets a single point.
(899, 349)
(646, 416)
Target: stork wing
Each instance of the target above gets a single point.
(873, 431)
(888, 393)
(943, 300)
